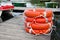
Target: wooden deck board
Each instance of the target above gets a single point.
(13, 29)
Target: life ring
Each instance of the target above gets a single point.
(39, 19)
(49, 13)
(32, 13)
(28, 19)
(32, 31)
(40, 26)
(43, 20)
(40, 10)
(37, 32)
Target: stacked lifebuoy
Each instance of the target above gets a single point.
(38, 21)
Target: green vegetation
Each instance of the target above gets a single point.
(38, 3)
(0, 0)
(52, 5)
(35, 1)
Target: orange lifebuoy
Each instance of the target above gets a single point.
(38, 26)
(31, 31)
(37, 31)
(39, 10)
(32, 13)
(29, 19)
(43, 20)
(39, 20)
(49, 13)
(25, 24)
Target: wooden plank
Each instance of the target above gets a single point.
(13, 29)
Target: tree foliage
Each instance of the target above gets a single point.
(35, 1)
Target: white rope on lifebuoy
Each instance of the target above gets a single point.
(34, 10)
(46, 19)
(30, 30)
(28, 23)
(45, 14)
